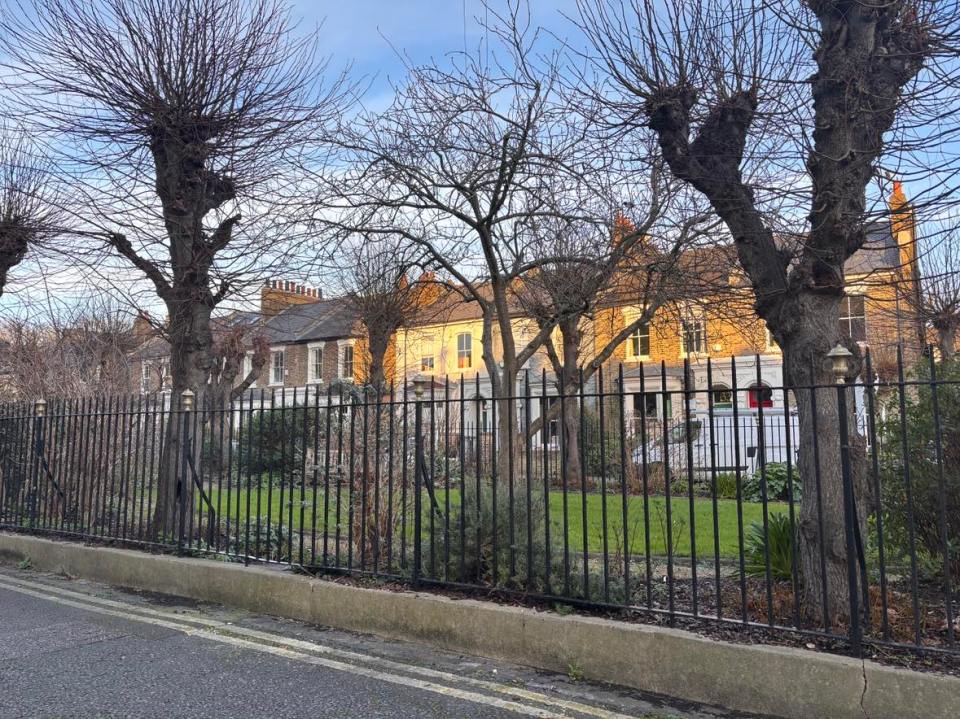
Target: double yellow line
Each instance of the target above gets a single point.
(502, 696)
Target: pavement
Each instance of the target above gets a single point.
(72, 648)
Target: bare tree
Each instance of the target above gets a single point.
(588, 266)
(376, 276)
(189, 121)
(28, 214)
(938, 302)
(462, 157)
(71, 351)
(781, 112)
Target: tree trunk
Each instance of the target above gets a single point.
(216, 454)
(569, 386)
(571, 443)
(822, 547)
(191, 342)
(947, 339)
(377, 376)
(509, 442)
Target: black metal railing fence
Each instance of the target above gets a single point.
(634, 491)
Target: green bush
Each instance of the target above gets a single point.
(727, 485)
(779, 548)
(529, 572)
(929, 499)
(680, 487)
(778, 484)
(273, 440)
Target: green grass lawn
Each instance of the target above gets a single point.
(656, 510)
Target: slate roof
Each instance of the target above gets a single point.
(327, 319)
(157, 346)
(879, 252)
(334, 318)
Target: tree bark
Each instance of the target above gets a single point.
(191, 342)
(379, 343)
(569, 385)
(823, 551)
(188, 192)
(947, 341)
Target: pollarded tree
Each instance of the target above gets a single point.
(937, 303)
(782, 112)
(377, 278)
(28, 214)
(185, 125)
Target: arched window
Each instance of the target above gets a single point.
(759, 395)
(722, 396)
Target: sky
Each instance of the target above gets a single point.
(374, 38)
(363, 31)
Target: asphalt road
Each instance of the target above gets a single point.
(70, 648)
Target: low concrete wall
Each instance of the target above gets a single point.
(771, 681)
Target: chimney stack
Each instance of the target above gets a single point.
(278, 295)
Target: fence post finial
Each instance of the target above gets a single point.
(186, 400)
(40, 407)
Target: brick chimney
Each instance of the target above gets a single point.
(142, 329)
(277, 295)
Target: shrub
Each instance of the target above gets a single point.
(275, 439)
(727, 485)
(929, 498)
(530, 559)
(779, 548)
(655, 478)
(273, 543)
(679, 486)
(778, 484)
(480, 536)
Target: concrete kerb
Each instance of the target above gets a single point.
(771, 681)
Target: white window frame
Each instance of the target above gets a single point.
(433, 363)
(312, 376)
(469, 351)
(341, 360)
(145, 376)
(281, 352)
(638, 334)
(722, 387)
(248, 367)
(846, 317)
(694, 317)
